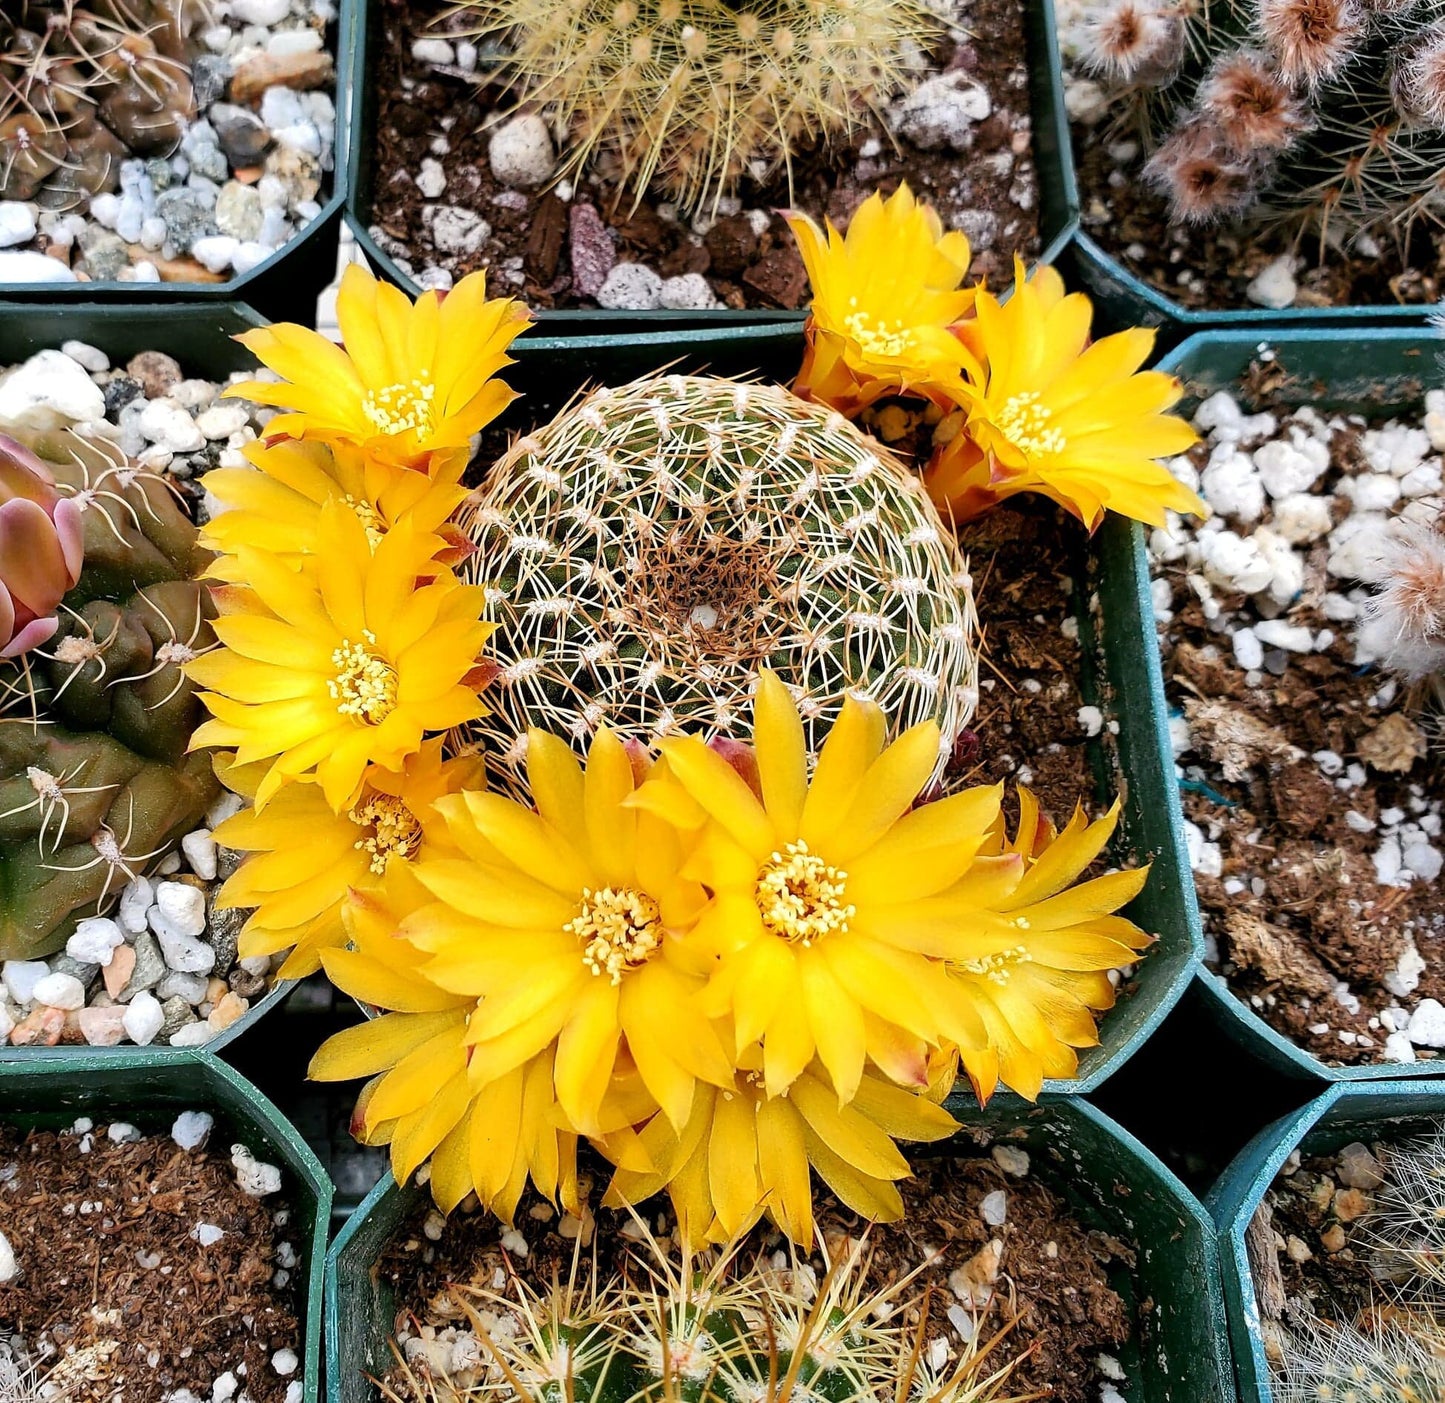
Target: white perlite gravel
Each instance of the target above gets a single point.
(1281, 538)
(250, 172)
(159, 965)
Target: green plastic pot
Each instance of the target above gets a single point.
(1122, 299)
(285, 286)
(1384, 1110)
(1053, 159)
(42, 1091)
(1339, 370)
(1109, 1179)
(199, 336)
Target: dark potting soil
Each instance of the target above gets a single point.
(1304, 1248)
(1209, 267)
(1027, 730)
(109, 1264)
(1057, 1269)
(1297, 909)
(990, 192)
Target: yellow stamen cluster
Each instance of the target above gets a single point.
(394, 830)
(1025, 423)
(997, 968)
(407, 405)
(370, 518)
(878, 336)
(620, 930)
(800, 896)
(365, 685)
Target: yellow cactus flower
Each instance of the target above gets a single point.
(1051, 413)
(884, 299)
(851, 927)
(410, 381)
(303, 859)
(567, 923)
(423, 1101)
(1038, 949)
(325, 676)
(814, 884)
(276, 502)
(743, 1152)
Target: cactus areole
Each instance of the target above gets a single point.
(95, 719)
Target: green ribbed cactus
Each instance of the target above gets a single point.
(95, 782)
(716, 1330)
(655, 545)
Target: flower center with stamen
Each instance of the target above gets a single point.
(877, 335)
(997, 969)
(365, 684)
(370, 519)
(800, 897)
(394, 409)
(1025, 423)
(619, 930)
(394, 829)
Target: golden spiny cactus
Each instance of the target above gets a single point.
(694, 92)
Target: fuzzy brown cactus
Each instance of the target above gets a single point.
(1327, 113)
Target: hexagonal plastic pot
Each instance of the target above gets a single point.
(1122, 299)
(285, 285)
(1109, 1180)
(1384, 1110)
(1053, 159)
(200, 338)
(42, 1090)
(1121, 661)
(1344, 370)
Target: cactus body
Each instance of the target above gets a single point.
(1322, 112)
(727, 1331)
(83, 88)
(694, 92)
(652, 547)
(95, 781)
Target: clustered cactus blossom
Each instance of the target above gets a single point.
(1323, 112)
(41, 549)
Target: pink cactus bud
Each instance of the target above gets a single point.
(743, 758)
(41, 549)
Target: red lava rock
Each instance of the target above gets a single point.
(590, 250)
(779, 278)
(732, 245)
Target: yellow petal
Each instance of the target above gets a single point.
(852, 746)
(378, 1044)
(782, 754)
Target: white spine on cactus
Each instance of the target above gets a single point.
(654, 545)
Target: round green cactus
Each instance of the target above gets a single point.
(653, 546)
(95, 781)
